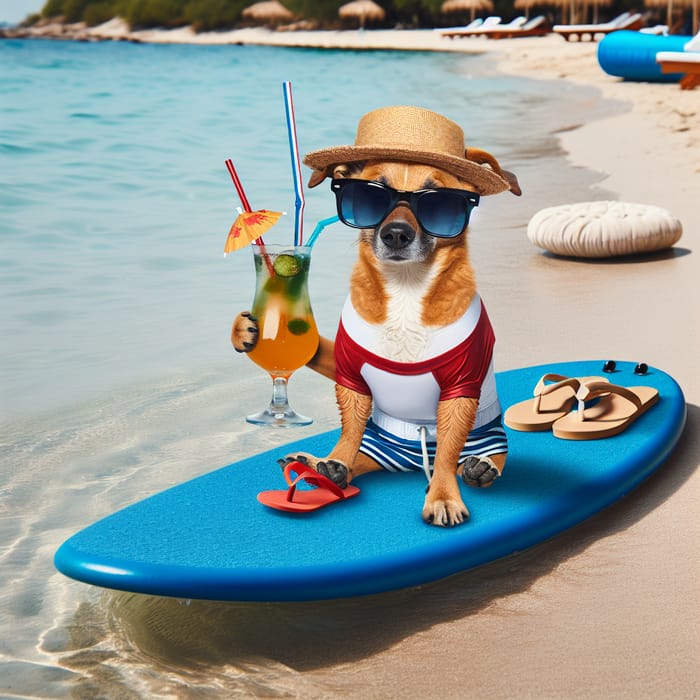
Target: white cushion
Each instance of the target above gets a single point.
(693, 44)
(678, 57)
(603, 229)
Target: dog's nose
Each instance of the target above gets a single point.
(397, 234)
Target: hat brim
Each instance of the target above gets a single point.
(479, 175)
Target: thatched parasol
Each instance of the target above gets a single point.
(585, 4)
(670, 4)
(527, 5)
(471, 6)
(269, 11)
(362, 10)
(563, 5)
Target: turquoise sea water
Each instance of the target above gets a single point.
(116, 374)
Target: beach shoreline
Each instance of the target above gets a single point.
(609, 609)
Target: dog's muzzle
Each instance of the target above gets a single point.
(397, 235)
(398, 239)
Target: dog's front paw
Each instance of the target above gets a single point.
(479, 471)
(336, 471)
(244, 332)
(444, 512)
(303, 457)
(332, 469)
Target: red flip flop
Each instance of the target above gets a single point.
(295, 500)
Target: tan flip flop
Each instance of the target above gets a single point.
(552, 401)
(616, 408)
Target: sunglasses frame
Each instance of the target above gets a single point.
(410, 197)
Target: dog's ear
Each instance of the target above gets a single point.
(339, 171)
(512, 181)
(318, 176)
(484, 158)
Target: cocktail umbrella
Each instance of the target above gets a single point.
(269, 11)
(362, 10)
(248, 227)
(450, 6)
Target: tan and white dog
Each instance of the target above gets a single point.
(412, 359)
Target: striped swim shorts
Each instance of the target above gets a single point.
(397, 454)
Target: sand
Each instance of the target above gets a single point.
(610, 609)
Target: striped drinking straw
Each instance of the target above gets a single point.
(299, 201)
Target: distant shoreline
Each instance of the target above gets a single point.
(118, 29)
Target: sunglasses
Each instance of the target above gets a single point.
(442, 212)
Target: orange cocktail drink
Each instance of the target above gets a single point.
(287, 332)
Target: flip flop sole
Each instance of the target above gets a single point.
(609, 417)
(304, 501)
(553, 406)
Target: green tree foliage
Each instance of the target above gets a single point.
(98, 12)
(53, 8)
(207, 15)
(224, 14)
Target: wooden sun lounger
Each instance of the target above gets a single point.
(537, 26)
(686, 62)
(462, 28)
(479, 30)
(594, 31)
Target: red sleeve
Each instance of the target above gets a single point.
(461, 371)
(348, 363)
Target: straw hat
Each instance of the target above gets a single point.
(415, 135)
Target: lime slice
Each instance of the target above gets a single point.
(286, 265)
(298, 326)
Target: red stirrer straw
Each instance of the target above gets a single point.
(238, 186)
(246, 207)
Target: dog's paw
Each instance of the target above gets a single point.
(303, 457)
(244, 332)
(479, 471)
(444, 513)
(336, 471)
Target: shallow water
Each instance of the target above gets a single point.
(117, 376)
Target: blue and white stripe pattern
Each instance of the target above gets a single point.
(397, 454)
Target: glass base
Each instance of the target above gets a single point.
(278, 413)
(280, 417)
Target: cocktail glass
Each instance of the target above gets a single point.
(287, 332)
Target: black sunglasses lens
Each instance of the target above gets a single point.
(443, 213)
(363, 204)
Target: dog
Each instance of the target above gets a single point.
(412, 359)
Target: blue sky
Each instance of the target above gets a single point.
(13, 11)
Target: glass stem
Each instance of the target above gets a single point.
(279, 394)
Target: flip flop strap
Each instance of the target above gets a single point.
(558, 381)
(307, 474)
(593, 390)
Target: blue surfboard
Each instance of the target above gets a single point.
(210, 538)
